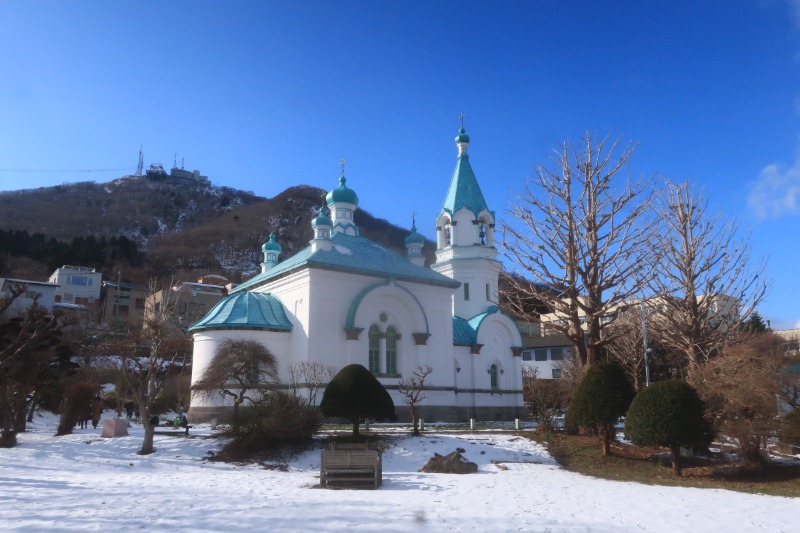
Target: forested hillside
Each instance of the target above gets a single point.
(143, 228)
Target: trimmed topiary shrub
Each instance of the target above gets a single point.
(668, 413)
(355, 394)
(602, 396)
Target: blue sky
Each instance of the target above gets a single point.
(264, 95)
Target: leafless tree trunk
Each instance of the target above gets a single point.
(148, 357)
(412, 389)
(582, 235)
(706, 285)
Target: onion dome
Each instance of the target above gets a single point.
(414, 237)
(322, 219)
(342, 194)
(462, 136)
(271, 245)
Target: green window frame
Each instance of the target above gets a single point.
(391, 350)
(374, 350)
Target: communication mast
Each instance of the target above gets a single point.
(141, 163)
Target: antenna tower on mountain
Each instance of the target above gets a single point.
(141, 163)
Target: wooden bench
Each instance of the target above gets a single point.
(173, 428)
(351, 464)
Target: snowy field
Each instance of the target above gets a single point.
(85, 482)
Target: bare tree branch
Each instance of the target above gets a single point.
(582, 232)
(706, 285)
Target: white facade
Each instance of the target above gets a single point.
(44, 294)
(345, 300)
(77, 284)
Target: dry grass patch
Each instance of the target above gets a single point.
(652, 465)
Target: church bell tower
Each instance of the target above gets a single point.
(465, 245)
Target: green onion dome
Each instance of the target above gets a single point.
(271, 244)
(414, 237)
(342, 194)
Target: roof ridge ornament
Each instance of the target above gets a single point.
(462, 139)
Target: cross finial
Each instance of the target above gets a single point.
(461, 116)
(343, 161)
(413, 217)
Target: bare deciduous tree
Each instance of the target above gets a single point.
(740, 387)
(26, 343)
(545, 399)
(412, 390)
(239, 367)
(706, 285)
(582, 234)
(310, 375)
(627, 346)
(150, 356)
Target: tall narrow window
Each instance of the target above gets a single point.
(466, 292)
(493, 376)
(488, 293)
(374, 350)
(391, 351)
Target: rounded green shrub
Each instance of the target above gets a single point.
(668, 413)
(602, 396)
(356, 395)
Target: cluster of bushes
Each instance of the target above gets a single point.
(276, 421)
(675, 414)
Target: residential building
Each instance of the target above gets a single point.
(77, 284)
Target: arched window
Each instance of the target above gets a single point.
(493, 376)
(374, 350)
(391, 350)
(447, 232)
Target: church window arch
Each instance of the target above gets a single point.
(374, 349)
(391, 350)
(383, 351)
(493, 380)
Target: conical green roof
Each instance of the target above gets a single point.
(464, 190)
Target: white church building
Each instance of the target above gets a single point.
(345, 299)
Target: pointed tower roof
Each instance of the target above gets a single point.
(464, 190)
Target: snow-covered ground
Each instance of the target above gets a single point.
(85, 482)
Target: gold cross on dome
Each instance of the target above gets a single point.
(343, 161)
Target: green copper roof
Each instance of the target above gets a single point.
(462, 136)
(322, 219)
(357, 255)
(248, 310)
(463, 333)
(464, 190)
(271, 244)
(342, 194)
